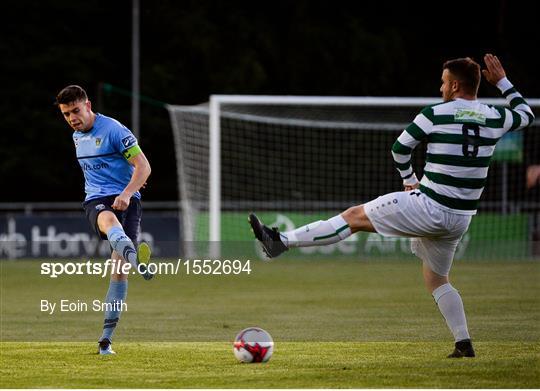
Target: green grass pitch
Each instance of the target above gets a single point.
(336, 324)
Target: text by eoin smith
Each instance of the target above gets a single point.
(96, 305)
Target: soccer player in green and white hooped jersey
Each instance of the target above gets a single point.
(114, 169)
(461, 134)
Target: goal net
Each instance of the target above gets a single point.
(293, 160)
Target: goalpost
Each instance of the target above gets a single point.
(246, 153)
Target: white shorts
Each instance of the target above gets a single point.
(436, 232)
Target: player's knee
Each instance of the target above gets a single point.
(356, 218)
(106, 220)
(434, 280)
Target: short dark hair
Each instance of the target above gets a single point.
(69, 94)
(467, 71)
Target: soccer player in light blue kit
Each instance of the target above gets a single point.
(114, 169)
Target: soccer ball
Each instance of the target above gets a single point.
(253, 345)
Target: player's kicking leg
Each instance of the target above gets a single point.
(270, 238)
(122, 244)
(393, 214)
(318, 233)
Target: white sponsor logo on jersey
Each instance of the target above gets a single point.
(470, 115)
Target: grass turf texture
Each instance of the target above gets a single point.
(336, 324)
(295, 364)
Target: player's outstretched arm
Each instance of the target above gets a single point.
(520, 115)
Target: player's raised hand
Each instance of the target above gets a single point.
(494, 71)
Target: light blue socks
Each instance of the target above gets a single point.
(123, 245)
(116, 297)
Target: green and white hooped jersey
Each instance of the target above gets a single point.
(461, 136)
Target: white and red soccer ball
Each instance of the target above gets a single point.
(253, 345)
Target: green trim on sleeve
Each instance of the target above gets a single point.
(516, 120)
(428, 112)
(403, 166)
(518, 100)
(509, 91)
(131, 152)
(416, 132)
(401, 149)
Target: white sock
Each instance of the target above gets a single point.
(451, 307)
(318, 233)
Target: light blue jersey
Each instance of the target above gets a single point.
(102, 153)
